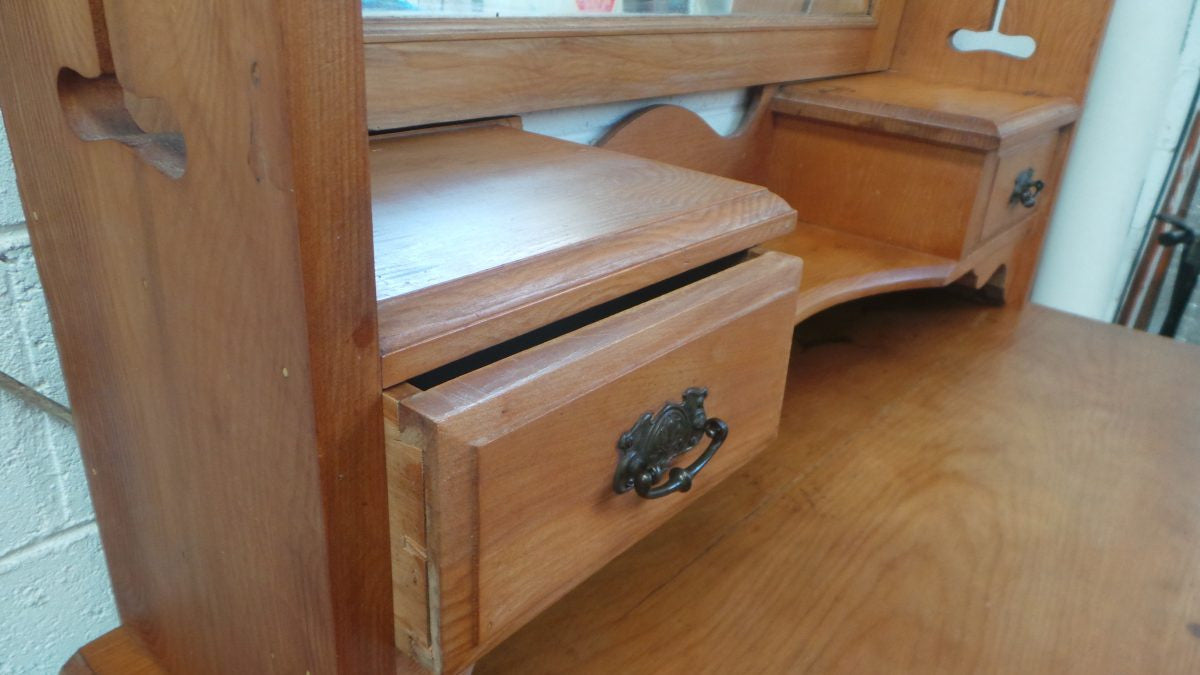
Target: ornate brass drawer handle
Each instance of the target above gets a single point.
(647, 450)
(1027, 189)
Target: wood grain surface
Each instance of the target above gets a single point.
(117, 651)
(215, 315)
(954, 489)
(676, 135)
(901, 191)
(486, 233)
(1068, 35)
(934, 111)
(1038, 154)
(406, 519)
(924, 166)
(445, 78)
(839, 267)
(519, 455)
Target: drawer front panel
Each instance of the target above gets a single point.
(1028, 163)
(521, 454)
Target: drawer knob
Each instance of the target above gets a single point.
(647, 450)
(1027, 189)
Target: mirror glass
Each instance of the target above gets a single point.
(589, 8)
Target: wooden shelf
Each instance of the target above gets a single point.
(484, 233)
(954, 489)
(839, 267)
(910, 182)
(954, 115)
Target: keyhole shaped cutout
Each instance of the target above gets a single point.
(100, 109)
(1016, 46)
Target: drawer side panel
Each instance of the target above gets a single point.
(1002, 212)
(406, 508)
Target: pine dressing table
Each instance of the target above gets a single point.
(368, 378)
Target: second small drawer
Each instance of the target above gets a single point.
(1022, 174)
(939, 168)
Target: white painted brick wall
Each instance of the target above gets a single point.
(10, 201)
(54, 588)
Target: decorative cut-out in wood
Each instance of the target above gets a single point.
(1016, 46)
(100, 109)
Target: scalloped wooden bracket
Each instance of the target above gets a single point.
(675, 135)
(840, 267)
(984, 274)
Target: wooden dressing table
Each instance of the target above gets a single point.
(358, 404)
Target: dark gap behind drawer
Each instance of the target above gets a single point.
(571, 323)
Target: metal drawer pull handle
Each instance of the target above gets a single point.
(1027, 189)
(647, 450)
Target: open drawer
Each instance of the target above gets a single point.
(502, 480)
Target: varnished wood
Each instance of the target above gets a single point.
(1068, 33)
(924, 166)
(896, 190)
(1023, 264)
(1002, 212)
(842, 266)
(951, 114)
(518, 456)
(117, 651)
(1001, 253)
(678, 136)
(1012, 492)
(916, 190)
(839, 267)
(196, 178)
(438, 80)
(816, 165)
(217, 334)
(484, 234)
(406, 515)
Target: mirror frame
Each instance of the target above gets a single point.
(433, 70)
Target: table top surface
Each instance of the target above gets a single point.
(955, 488)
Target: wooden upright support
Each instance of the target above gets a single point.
(196, 185)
